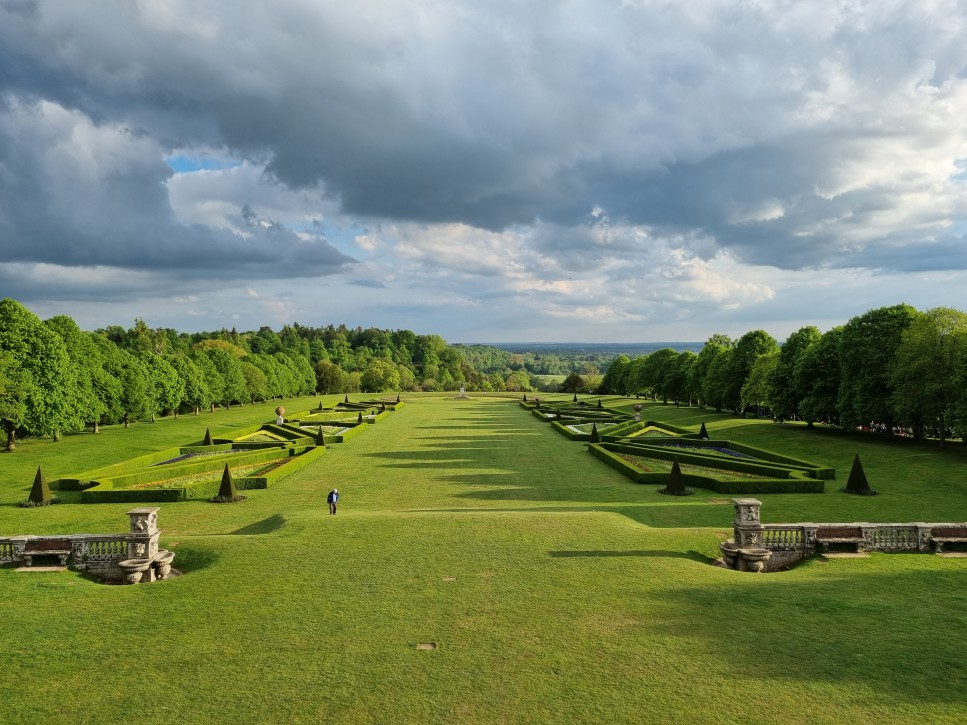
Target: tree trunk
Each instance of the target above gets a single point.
(126, 422)
(11, 439)
(97, 427)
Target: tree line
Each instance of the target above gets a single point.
(56, 378)
(891, 369)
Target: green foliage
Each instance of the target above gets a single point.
(676, 483)
(328, 376)
(787, 387)
(40, 382)
(857, 483)
(925, 377)
(40, 494)
(226, 491)
(867, 355)
(380, 376)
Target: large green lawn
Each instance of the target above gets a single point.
(554, 589)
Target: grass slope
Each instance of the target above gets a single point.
(555, 590)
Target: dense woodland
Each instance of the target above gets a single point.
(892, 369)
(56, 378)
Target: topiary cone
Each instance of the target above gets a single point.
(320, 438)
(857, 482)
(676, 484)
(359, 418)
(525, 397)
(599, 403)
(40, 492)
(397, 397)
(227, 490)
(595, 436)
(703, 433)
(320, 405)
(347, 399)
(575, 399)
(208, 438)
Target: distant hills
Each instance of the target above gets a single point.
(631, 349)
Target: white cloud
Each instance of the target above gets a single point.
(653, 165)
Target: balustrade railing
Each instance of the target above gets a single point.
(8, 552)
(894, 538)
(783, 538)
(104, 548)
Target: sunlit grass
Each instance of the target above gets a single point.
(554, 589)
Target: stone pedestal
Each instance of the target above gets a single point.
(143, 544)
(746, 525)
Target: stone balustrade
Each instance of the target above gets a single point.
(769, 547)
(101, 555)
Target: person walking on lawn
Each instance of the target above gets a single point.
(332, 499)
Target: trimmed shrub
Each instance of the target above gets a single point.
(676, 483)
(208, 438)
(857, 483)
(703, 433)
(320, 439)
(40, 494)
(608, 453)
(595, 436)
(227, 492)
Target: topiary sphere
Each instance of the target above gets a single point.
(280, 410)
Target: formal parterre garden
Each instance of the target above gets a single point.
(484, 567)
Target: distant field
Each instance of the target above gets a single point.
(546, 379)
(485, 569)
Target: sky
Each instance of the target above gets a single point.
(485, 170)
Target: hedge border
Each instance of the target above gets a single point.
(710, 483)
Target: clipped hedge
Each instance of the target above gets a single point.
(155, 473)
(606, 452)
(352, 429)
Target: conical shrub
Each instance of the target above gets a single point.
(595, 435)
(359, 418)
(40, 494)
(575, 398)
(703, 433)
(676, 482)
(525, 397)
(397, 397)
(208, 438)
(857, 483)
(320, 438)
(599, 403)
(347, 399)
(227, 492)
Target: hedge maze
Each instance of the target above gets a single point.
(257, 456)
(645, 452)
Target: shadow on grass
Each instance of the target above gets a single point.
(189, 558)
(866, 622)
(265, 526)
(648, 553)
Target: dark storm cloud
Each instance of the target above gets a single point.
(758, 128)
(80, 194)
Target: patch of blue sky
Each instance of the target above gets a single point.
(186, 164)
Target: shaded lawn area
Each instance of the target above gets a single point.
(554, 589)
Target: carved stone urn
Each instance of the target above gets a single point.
(162, 562)
(753, 560)
(134, 569)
